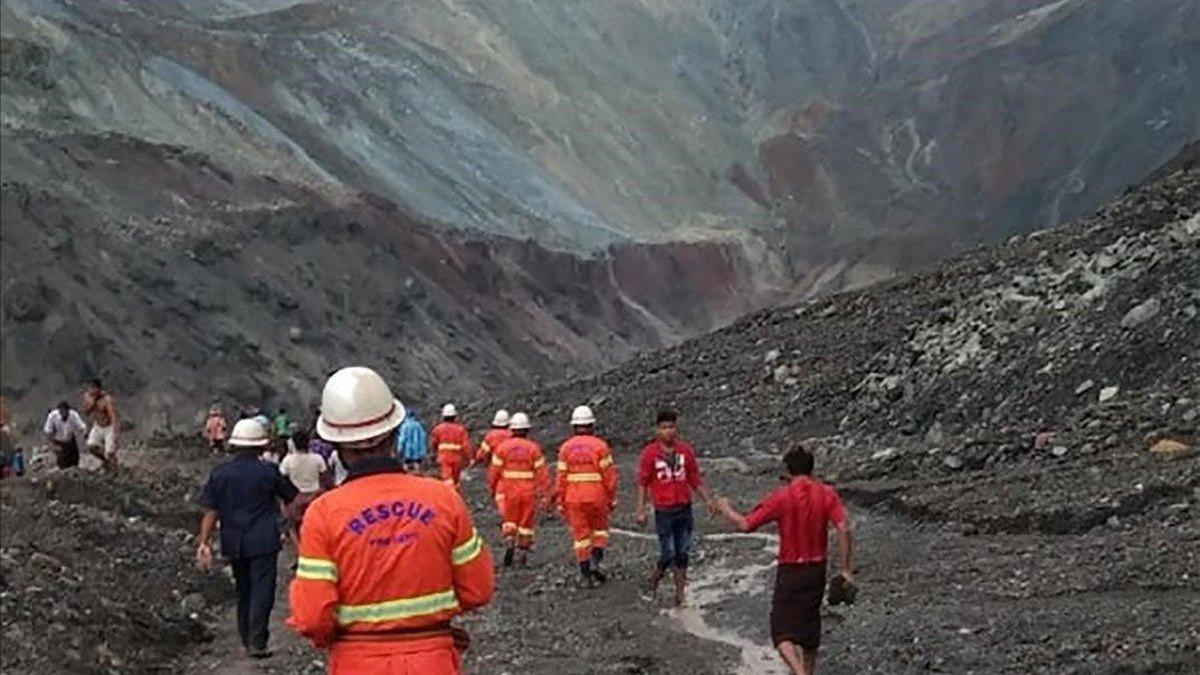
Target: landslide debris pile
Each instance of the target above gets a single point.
(1079, 341)
(95, 573)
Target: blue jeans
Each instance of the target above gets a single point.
(674, 528)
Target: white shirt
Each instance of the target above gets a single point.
(305, 469)
(63, 430)
(339, 470)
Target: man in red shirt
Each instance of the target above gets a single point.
(804, 508)
(668, 471)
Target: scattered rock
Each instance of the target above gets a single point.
(1059, 451)
(1141, 313)
(1108, 393)
(1084, 387)
(1171, 448)
(952, 462)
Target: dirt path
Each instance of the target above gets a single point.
(224, 654)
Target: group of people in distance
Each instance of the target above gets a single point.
(389, 557)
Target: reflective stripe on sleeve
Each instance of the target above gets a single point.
(540, 463)
(583, 478)
(496, 461)
(400, 608)
(606, 462)
(517, 474)
(316, 569)
(562, 466)
(467, 551)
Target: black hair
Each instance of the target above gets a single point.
(300, 438)
(95, 382)
(666, 415)
(799, 461)
(63, 404)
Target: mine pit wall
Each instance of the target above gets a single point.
(258, 299)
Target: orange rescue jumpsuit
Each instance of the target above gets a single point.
(518, 478)
(491, 440)
(452, 443)
(386, 560)
(586, 489)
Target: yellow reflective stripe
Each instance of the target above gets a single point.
(583, 478)
(401, 608)
(467, 551)
(496, 461)
(316, 568)
(526, 531)
(517, 474)
(599, 533)
(540, 463)
(485, 447)
(449, 446)
(583, 543)
(562, 466)
(606, 462)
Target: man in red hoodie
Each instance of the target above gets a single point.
(668, 471)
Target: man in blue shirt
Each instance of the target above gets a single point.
(243, 494)
(411, 442)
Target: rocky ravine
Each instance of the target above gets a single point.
(1010, 519)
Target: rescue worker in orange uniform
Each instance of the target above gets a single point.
(520, 482)
(450, 442)
(493, 438)
(387, 559)
(586, 492)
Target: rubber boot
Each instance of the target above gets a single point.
(597, 573)
(586, 579)
(680, 576)
(508, 556)
(523, 557)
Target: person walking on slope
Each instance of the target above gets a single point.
(586, 492)
(63, 428)
(669, 472)
(102, 437)
(306, 470)
(387, 559)
(519, 482)
(452, 444)
(215, 429)
(243, 494)
(412, 442)
(494, 437)
(804, 508)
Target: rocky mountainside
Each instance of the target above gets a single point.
(466, 192)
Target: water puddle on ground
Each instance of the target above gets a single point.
(714, 582)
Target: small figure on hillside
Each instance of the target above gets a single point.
(243, 495)
(63, 428)
(412, 442)
(215, 429)
(805, 509)
(102, 437)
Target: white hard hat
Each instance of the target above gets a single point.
(519, 422)
(357, 405)
(449, 410)
(582, 417)
(248, 434)
(501, 418)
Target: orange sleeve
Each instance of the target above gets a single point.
(313, 594)
(608, 471)
(560, 477)
(494, 469)
(474, 578)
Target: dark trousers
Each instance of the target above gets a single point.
(674, 527)
(255, 582)
(66, 454)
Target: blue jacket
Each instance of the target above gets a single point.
(245, 493)
(411, 442)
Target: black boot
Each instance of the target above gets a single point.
(508, 556)
(586, 580)
(597, 573)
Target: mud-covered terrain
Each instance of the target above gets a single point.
(1015, 432)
